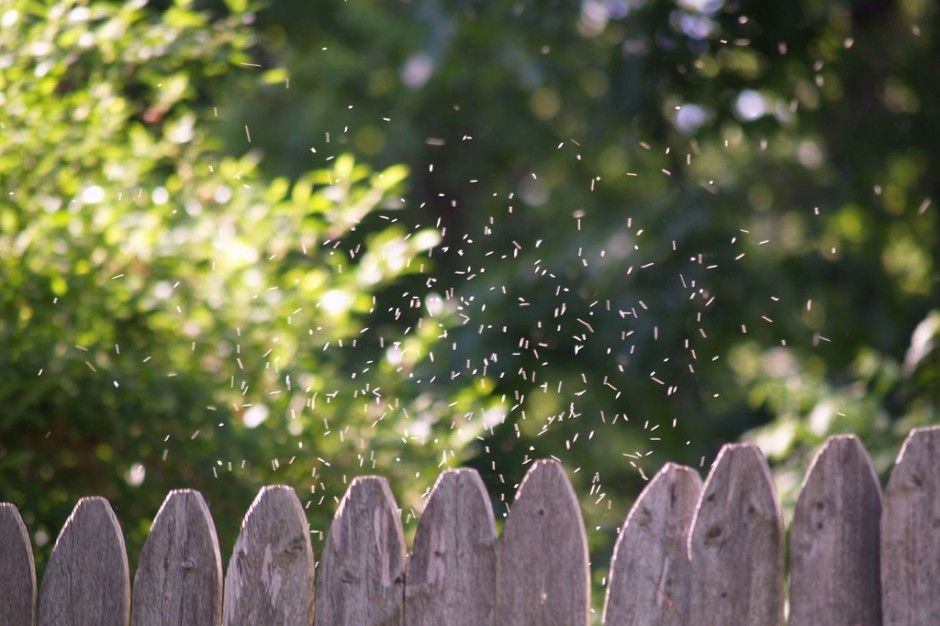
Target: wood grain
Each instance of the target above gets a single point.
(736, 544)
(452, 571)
(270, 575)
(362, 574)
(86, 580)
(910, 534)
(542, 573)
(17, 570)
(650, 569)
(179, 576)
(834, 540)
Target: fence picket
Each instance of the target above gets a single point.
(452, 571)
(834, 540)
(362, 572)
(179, 577)
(649, 572)
(270, 575)
(86, 580)
(17, 570)
(910, 534)
(736, 544)
(542, 572)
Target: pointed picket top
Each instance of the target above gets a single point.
(86, 580)
(270, 575)
(179, 576)
(452, 571)
(650, 569)
(910, 533)
(834, 539)
(736, 544)
(362, 572)
(543, 575)
(17, 570)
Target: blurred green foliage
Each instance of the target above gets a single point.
(750, 182)
(664, 225)
(168, 316)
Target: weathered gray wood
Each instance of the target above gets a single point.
(650, 569)
(910, 534)
(270, 575)
(542, 572)
(362, 573)
(179, 576)
(736, 544)
(17, 570)
(452, 571)
(834, 540)
(86, 580)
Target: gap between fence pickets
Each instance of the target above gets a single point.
(687, 553)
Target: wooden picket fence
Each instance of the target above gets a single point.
(688, 554)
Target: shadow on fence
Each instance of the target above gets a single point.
(688, 553)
